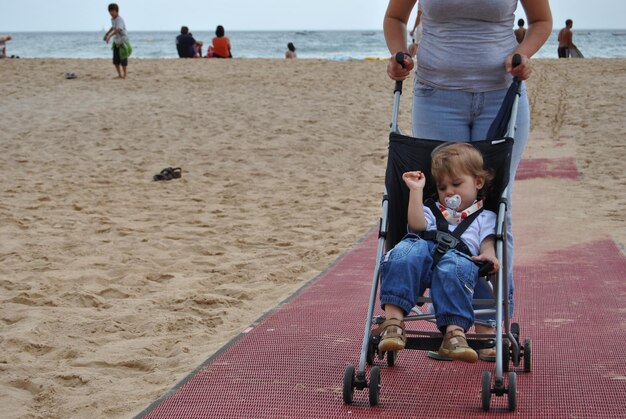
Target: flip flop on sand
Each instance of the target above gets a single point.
(168, 173)
(70, 76)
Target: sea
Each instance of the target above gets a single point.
(329, 45)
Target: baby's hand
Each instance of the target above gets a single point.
(488, 258)
(414, 180)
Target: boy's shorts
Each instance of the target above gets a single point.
(116, 58)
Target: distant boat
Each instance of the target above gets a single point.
(368, 33)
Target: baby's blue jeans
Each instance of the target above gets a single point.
(406, 273)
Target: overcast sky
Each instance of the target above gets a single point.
(92, 15)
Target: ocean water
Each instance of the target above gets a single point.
(331, 45)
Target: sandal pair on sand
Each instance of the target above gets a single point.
(453, 347)
(168, 173)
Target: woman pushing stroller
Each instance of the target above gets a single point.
(412, 266)
(463, 70)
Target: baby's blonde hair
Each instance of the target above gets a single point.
(455, 159)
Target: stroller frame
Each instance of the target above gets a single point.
(507, 335)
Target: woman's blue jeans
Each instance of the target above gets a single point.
(405, 273)
(455, 115)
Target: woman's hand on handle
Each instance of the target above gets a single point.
(397, 71)
(522, 70)
(394, 28)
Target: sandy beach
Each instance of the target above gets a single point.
(114, 287)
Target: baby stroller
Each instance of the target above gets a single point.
(409, 154)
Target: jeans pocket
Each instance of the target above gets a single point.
(422, 90)
(466, 272)
(402, 249)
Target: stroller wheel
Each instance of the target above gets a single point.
(348, 384)
(486, 390)
(515, 331)
(391, 358)
(374, 386)
(512, 391)
(528, 358)
(506, 355)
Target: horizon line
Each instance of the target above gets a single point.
(259, 30)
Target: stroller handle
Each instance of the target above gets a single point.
(400, 60)
(397, 91)
(516, 60)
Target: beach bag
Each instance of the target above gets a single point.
(125, 50)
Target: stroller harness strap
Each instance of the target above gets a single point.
(442, 237)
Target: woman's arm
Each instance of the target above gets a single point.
(394, 28)
(539, 18)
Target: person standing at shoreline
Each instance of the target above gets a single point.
(565, 40)
(121, 46)
(3, 48)
(520, 32)
(416, 32)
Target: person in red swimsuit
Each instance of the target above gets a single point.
(221, 44)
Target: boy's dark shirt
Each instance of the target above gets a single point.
(185, 46)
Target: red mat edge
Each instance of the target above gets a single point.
(155, 404)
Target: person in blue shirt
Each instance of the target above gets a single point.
(185, 44)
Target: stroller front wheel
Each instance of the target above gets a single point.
(528, 360)
(512, 391)
(348, 384)
(486, 390)
(374, 386)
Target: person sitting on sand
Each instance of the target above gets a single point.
(197, 48)
(291, 51)
(3, 48)
(186, 45)
(220, 47)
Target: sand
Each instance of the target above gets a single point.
(114, 287)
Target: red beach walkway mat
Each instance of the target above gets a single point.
(564, 168)
(291, 363)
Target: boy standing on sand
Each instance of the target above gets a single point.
(3, 48)
(121, 46)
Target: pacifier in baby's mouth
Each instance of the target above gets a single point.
(453, 202)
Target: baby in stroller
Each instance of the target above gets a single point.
(418, 262)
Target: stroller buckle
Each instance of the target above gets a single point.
(445, 242)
